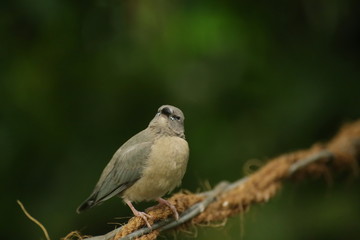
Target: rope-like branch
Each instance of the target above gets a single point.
(339, 155)
(186, 216)
(302, 163)
(171, 223)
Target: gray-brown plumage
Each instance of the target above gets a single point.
(147, 166)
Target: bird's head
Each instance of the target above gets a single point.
(169, 119)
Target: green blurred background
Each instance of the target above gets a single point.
(254, 79)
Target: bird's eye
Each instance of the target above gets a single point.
(176, 117)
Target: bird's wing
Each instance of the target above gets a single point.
(123, 170)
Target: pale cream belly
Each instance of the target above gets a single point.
(164, 170)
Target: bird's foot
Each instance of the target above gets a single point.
(171, 206)
(143, 215)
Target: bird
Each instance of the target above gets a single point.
(147, 166)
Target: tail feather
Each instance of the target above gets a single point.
(88, 203)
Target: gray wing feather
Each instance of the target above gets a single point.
(123, 170)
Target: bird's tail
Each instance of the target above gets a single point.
(88, 203)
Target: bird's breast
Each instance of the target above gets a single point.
(164, 169)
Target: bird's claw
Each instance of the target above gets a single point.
(171, 206)
(145, 217)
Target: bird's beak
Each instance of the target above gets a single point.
(166, 111)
